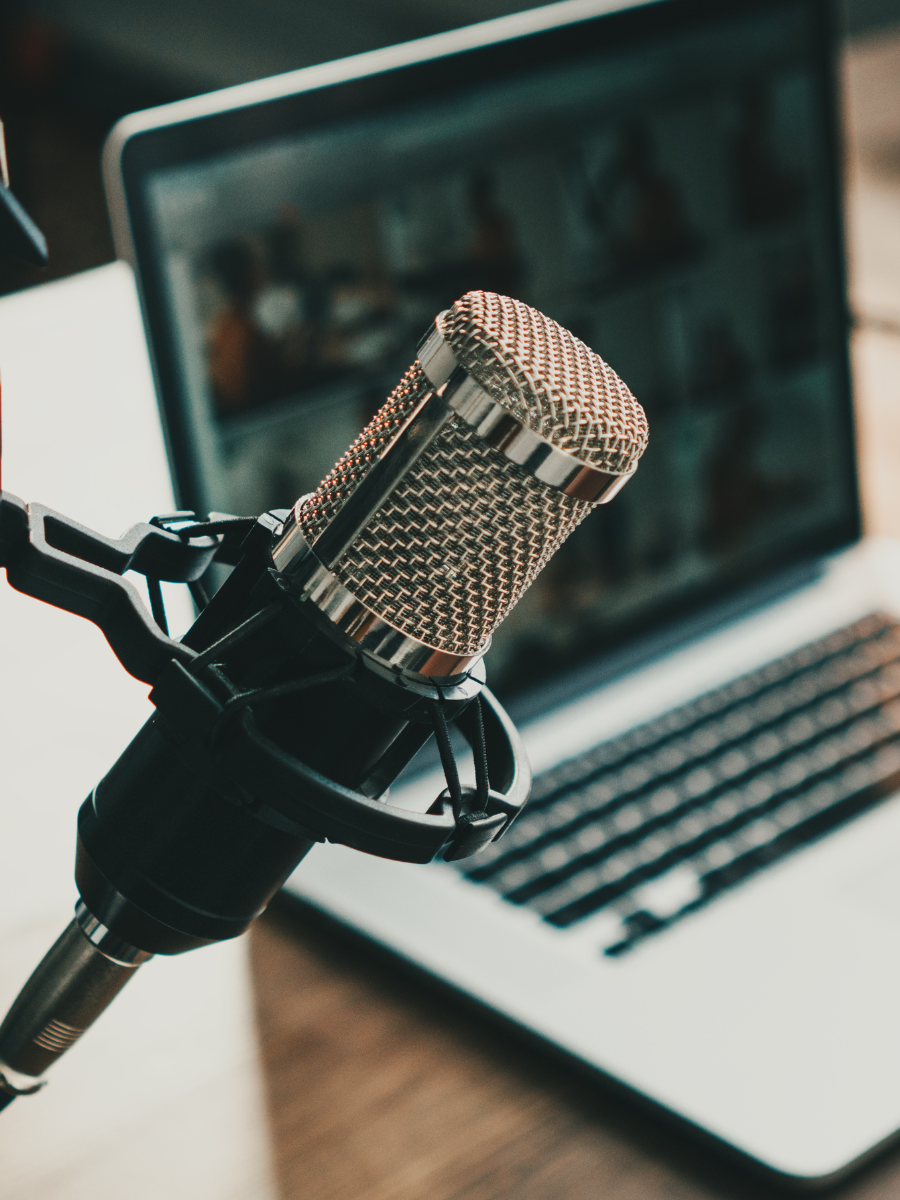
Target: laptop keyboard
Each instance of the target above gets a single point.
(655, 823)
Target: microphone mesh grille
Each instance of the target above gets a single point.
(554, 383)
(464, 534)
(364, 450)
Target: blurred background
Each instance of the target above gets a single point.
(70, 68)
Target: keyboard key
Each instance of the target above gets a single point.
(663, 800)
(670, 893)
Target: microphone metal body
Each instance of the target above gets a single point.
(505, 433)
(352, 628)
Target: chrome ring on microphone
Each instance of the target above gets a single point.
(502, 430)
(309, 579)
(110, 946)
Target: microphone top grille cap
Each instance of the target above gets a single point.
(456, 543)
(548, 378)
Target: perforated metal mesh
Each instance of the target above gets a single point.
(352, 466)
(554, 383)
(464, 534)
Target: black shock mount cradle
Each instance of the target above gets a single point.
(54, 559)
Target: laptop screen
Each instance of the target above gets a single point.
(670, 199)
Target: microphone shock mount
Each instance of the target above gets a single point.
(274, 729)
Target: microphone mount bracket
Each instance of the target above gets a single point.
(54, 559)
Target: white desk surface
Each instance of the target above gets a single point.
(163, 1096)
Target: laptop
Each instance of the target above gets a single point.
(702, 900)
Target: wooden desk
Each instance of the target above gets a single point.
(379, 1087)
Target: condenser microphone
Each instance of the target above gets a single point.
(500, 439)
(351, 630)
